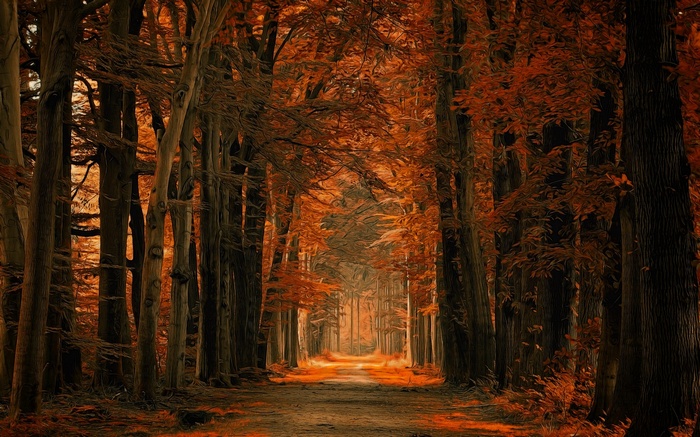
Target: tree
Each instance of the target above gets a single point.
(11, 227)
(468, 303)
(116, 159)
(208, 21)
(453, 306)
(57, 57)
(659, 171)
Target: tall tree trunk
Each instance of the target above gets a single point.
(116, 168)
(249, 303)
(256, 204)
(225, 303)
(131, 134)
(57, 60)
(410, 322)
(506, 179)
(146, 371)
(193, 289)
(601, 152)
(181, 217)
(627, 383)
(615, 283)
(352, 323)
(244, 330)
(137, 224)
(61, 311)
(554, 297)
(459, 299)
(659, 171)
(292, 343)
(528, 321)
(605, 290)
(210, 235)
(283, 220)
(11, 225)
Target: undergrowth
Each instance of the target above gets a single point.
(557, 405)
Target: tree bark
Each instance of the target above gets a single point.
(193, 289)
(225, 299)
(61, 314)
(146, 369)
(283, 220)
(256, 205)
(506, 179)
(244, 330)
(528, 321)
(659, 171)
(594, 230)
(554, 297)
(131, 134)
(57, 58)
(622, 316)
(11, 223)
(116, 168)
(453, 307)
(208, 346)
(181, 217)
(605, 290)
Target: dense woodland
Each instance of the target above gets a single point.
(505, 189)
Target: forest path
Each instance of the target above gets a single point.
(360, 396)
(336, 395)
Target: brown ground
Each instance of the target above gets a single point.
(337, 396)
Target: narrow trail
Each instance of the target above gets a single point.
(336, 395)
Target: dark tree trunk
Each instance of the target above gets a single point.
(611, 323)
(506, 179)
(137, 224)
(554, 297)
(659, 170)
(116, 168)
(13, 216)
(244, 330)
(131, 134)
(61, 316)
(225, 298)
(528, 321)
(627, 383)
(292, 343)
(594, 230)
(193, 289)
(601, 291)
(57, 60)
(282, 220)
(454, 307)
(208, 344)
(256, 205)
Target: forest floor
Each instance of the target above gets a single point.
(336, 395)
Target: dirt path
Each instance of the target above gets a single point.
(360, 396)
(341, 396)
